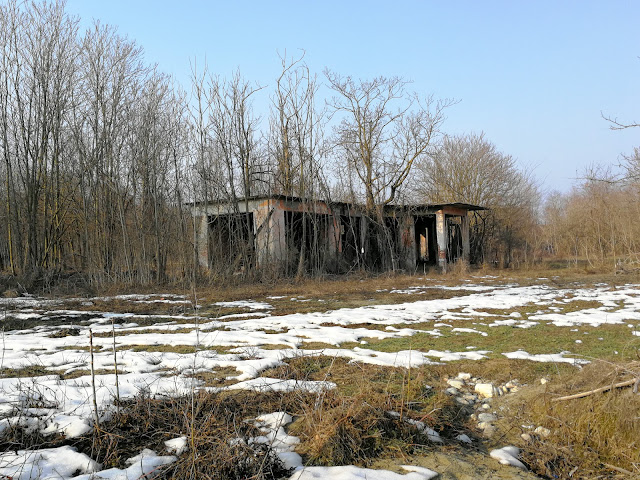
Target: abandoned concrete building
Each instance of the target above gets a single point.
(295, 233)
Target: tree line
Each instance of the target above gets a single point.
(102, 152)
(596, 223)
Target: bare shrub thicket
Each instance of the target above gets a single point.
(597, 222)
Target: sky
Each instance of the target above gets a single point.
(535, 77)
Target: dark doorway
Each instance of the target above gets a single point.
(350, 241)
(425, 240)
(454, 248)
(231, 241)
(307, 236)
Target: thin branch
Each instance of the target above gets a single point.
(616, 125)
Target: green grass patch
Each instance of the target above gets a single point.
(539, 339)
(25, 371)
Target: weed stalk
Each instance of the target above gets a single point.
(96, 419)
(115, 365)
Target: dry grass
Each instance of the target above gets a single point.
(183, 349)
(335, 428)
(217, 377)
(592, 437)
(353, 424)
(500, 370)
(350, 424)
(318, 295)
(216, 426)
(343, 430)
(25, 371)
(10, 322)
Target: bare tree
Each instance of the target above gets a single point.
(91, 141)
(470, 169)
(38, 78)
(631, 166)
(296, 149)
(229, 156)
(296, 140)
(234, 130)
(157, 130)
(381, 132)
(615, 124)
(113, 73)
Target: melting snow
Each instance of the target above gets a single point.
(54, 405)
(508, 456)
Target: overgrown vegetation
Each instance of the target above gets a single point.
(370, 416)
(364, 420)
(591, 437)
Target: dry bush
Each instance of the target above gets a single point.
(592, 437)
(344, 430)
(307, 367)
(458, 270)
(25, 433)
(341, 429)
(365, 417)
(216, 426)
(24, 422)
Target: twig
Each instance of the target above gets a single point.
(618, 469)
(627, 383)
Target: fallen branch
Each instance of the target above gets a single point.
(627, 383)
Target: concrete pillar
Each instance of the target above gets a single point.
(263, 235)
(201, 225)
(441, 235)
(278, 236)
(464, 231)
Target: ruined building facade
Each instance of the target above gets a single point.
(297, 234)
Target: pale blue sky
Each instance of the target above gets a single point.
(534, 76)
